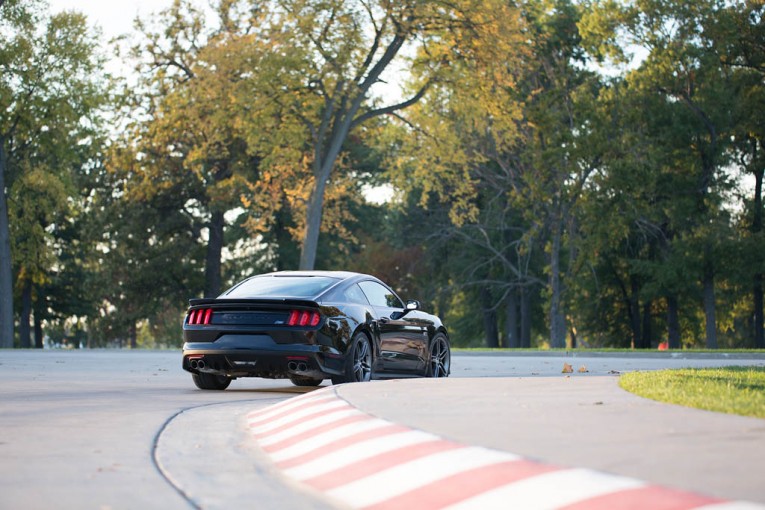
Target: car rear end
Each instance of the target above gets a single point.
(272, 338)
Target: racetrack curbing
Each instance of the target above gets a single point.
(357, 460)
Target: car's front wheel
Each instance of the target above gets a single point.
(440, 357)
(358, 361)
(211, 381)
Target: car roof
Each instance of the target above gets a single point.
(342, 275)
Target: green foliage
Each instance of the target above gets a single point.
(52, 90)
(667, 176)
(563, 170)
(38, 202)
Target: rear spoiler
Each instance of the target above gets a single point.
(254, 301)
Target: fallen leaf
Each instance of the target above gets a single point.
(567, 369)
(583, 369)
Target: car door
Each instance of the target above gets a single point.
(403, 343)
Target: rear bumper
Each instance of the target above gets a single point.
(260, 356)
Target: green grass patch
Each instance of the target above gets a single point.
(733, 390)
(609, 350)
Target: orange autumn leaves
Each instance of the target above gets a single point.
(569, 369)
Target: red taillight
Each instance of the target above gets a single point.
(201, 316)
(303, 318)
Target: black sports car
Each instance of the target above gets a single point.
(309, 326)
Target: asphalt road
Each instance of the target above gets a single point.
(122, 429)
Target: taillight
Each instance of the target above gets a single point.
(201, 316)
(303, 318)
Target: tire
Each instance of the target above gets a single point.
(358, 361)
(211, 382)
(440, 357)
(298, 380)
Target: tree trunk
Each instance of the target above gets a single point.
(512, 339)
(6, 274)
(38, 323)
(525, 317)
(647, 330)
(673, 322)
(314, 210)
(133, 336)
(25, 333)
(557, 319)
(759, 335)
(709, 306)
(634, 305)
(489, 319)
(214, 251)
(325, 156)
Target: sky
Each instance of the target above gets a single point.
(114, 18)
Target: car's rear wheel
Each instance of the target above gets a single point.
(358, 361)
(298, 380)
(211, 381)
(440, 357)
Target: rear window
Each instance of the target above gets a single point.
(281, 286)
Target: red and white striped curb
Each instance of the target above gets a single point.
(365, 462)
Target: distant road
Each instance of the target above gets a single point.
(126, 429)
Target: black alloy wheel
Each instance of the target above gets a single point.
(440, 357)
(358, 362)
(211, 381)
(299, 380)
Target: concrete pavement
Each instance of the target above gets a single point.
(584, 422)
(566, 422)
(88, 429)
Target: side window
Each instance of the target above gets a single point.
(379, 295)
(353, 294)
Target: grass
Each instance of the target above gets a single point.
(733, 390)
(607, 350)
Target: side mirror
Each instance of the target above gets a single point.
(412, 305)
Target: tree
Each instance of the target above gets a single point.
(738, 34)
(49, 95)
(185, 143)
(38, 202)
(515, 141)
(631, 218)
(684, 70)
(346, 48)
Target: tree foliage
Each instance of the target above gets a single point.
(564, 173)
(50, 93)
